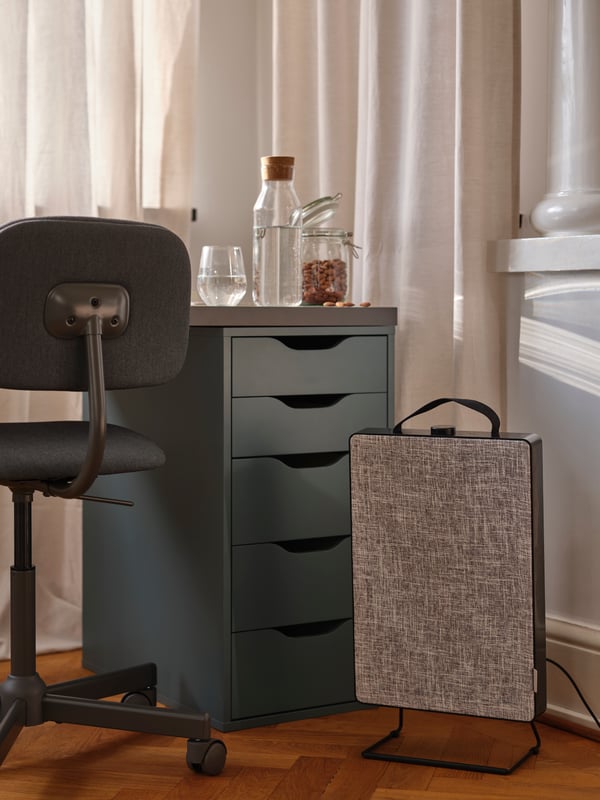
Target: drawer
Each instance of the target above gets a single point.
(305, 364)
(262, 426)
(292, 583)
(292, 668)
(291, 497)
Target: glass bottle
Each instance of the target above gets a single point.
(277, 242)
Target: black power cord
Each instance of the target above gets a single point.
(577, 689)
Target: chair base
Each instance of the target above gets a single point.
(27, 701)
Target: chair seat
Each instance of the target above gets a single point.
(48, 451)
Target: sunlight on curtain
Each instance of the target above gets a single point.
(96, 118)
(140, 58)
(421, 135)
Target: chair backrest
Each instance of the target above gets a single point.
(149, 261)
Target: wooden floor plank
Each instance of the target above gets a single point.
(250, 783)
(298, 760)
(356, 779)
(307, 779)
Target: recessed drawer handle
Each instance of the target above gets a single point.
(310, 545)
(310, 628)
(310, 342)
(310, 400)
(310, 460)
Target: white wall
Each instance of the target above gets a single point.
(234, 103)
(554, 325)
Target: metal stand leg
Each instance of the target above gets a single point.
(371, 752)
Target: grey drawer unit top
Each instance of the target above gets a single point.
(301, 318)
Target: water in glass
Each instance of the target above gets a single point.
(221, 276)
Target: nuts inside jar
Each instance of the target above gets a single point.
(324, 281)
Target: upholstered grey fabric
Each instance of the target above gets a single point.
(48, 451)
(36, 255)
(443, 573)
(151, 262)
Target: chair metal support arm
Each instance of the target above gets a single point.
(97, 416)
(92, 310)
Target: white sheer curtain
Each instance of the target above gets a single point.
(96, 118)
(410, 108)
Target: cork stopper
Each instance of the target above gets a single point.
(277, 168)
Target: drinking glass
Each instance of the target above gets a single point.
(221, 275)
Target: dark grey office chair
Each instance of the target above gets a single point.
(86, 305)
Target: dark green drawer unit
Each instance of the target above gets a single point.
(278, 498)
(288, 365)
(233, 570)
(282, 669)
(265, 426)
(290, 584)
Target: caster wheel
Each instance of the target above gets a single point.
(207, 756)
(138, 699)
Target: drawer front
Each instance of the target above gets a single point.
(275, 585)
(291, 669)
(308, 365)
(305, 496)
(262, 426)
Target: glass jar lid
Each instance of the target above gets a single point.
(332, 234)
(328, 233)
(320, 210)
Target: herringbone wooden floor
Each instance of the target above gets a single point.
(301, 760)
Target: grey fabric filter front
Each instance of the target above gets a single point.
(446, 552)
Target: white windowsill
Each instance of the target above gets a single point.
(546, 254)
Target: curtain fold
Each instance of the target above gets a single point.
(425, 149)
(97, 108)
(315, 103)
(96, 119)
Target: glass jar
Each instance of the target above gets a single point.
(326, 265)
